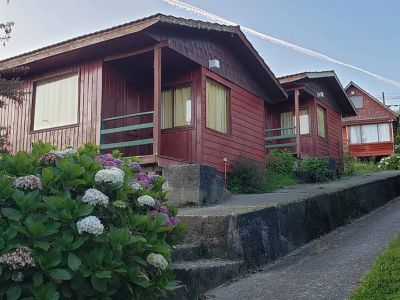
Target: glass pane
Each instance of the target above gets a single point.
(182, 106)
(304, 122)
(384, 132)
(56, 102)
(321, 120)
(355, 135)
(369, 133)
(357, 101)
(287, 122)
(216, 106)
(167, 109)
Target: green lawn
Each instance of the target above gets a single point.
(276, 181)
(383, 280)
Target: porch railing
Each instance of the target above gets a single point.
(105, 131)
(270, 139)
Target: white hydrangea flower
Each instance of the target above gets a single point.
(157, 260)
(93, 197)
(30, 182)
(112, 175)
(63, 153)
(146, 200)
(134, 185)
(90, 225)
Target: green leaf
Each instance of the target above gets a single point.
(98, 284)
(13, 292)
(103, 274)
(74, 261)
(60, 274)
(42, 245)
(11, 213)
(140, 281)
(37, 279)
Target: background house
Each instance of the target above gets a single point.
(317, 101)
(171, 90)
(370, 133)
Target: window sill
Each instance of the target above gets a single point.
(180, 128)
(229, 134)
(54, 128)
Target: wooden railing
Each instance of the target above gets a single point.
(280, 137)
(104, 131)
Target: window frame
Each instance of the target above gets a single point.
(325, 121)
(377, 142)
(362, 101)
(228, 107)
(294, 118)
(33, 108)
(173, 87)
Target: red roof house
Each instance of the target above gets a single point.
(167, 89)
(316, 101)
(370, 133)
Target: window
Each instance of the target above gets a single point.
(288, 120)
(371, 133)
(216, 106)
(56, 102)
(176, 107)
(321, 121)
(357, 101)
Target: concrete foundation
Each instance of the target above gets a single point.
(194, 185)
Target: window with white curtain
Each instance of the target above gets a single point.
(288, 120)
(56, 102)
(216, 106)
(370, 133)
(321, 121)
(176, 107)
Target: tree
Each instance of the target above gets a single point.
(10, 84)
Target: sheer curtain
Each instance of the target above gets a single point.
(321, 119)
(304, 122)
(369, 133)
(167, 98)
(182, 106)
(56, 102)
(287, 121)
(216, 106)
(384, 132)
(355, 134)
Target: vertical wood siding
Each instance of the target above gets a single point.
(246, 138)
(18, 117)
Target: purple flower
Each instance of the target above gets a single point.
(152, 178)
(108, 161)
(144, 180)
(135, 167)
(160, 208)
(174, 221)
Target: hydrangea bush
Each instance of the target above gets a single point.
(390, 163)
(78, 225)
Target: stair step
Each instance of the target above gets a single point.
(188, 251)
(204, 274)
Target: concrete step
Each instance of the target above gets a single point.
(189, 251)
(203, 274)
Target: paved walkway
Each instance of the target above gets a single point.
(244, 203)
(327, 268)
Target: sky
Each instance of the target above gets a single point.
(364, 33)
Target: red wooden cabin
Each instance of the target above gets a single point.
(317, 102)
(171, 90)
(370, 133)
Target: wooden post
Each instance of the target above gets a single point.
(297, 118)
(157, 101)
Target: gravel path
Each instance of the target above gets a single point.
(327, 268)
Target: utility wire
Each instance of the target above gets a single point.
(200, 12)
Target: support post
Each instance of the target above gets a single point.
(157, 100)
(297, 117)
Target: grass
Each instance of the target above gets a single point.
(383, 279)
(276, 181)
(359, 167)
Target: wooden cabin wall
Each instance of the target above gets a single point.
(332, 145)
(19, 117)
(246, 137)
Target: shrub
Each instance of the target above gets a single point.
(390, 163)
(281, 161)
(245, 177)
(349, 164)
(313, 164)
(70, 229)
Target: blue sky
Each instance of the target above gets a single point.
(364, 33)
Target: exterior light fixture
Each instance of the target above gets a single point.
(213, 64)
